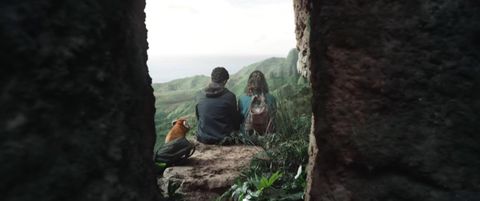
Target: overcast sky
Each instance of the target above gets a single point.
(189, 37)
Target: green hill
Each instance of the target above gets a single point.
(175, 99)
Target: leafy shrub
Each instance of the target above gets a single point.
(278, 173)
(268, 188)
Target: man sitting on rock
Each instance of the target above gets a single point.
(216, 110)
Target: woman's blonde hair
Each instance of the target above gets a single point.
(256, 84)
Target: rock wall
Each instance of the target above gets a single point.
(76, 120)
(302, 32)
(396, 99)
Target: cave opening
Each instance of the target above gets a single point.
(188, 39)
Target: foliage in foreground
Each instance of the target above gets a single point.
(278, 173)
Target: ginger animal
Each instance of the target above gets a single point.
(179, 130)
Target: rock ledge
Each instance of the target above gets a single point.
(210, 171)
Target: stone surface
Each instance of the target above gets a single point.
(302, 33)
(396, 99)
(76, 120)
(210, 171)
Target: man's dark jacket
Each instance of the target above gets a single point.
(217, 114)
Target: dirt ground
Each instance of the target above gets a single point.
(211, 170)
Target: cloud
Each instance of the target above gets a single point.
(198, 35)
(252, 3)
(225, 27)
(183, 8)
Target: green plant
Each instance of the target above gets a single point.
(285, 153)
(288, 148)
(253, 189)
(265, 183)
(263, 188)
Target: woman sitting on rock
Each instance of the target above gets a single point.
(257, 106)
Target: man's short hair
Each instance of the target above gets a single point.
(220, 74)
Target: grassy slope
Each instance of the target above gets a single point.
(175, 99)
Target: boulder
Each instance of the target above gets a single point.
(210, 171)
